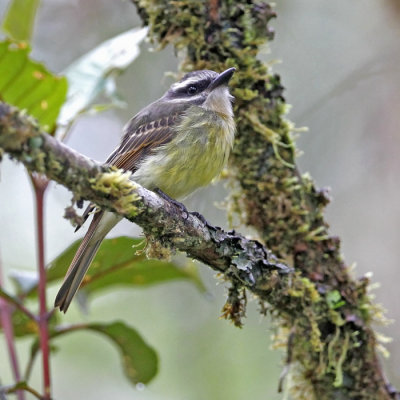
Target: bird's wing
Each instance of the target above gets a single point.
(141, 137)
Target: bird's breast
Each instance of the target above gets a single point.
(193, 158)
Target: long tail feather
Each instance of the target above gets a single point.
(98, 229)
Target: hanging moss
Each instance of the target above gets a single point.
(333, 351)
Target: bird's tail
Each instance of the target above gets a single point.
(98, 229)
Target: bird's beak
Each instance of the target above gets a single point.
(222, 79)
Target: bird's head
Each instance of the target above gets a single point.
(204, 88)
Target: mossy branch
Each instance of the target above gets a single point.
(324, 316)
(166, 225)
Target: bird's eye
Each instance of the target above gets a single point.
(191, 90)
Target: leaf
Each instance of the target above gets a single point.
(23, 325)
(94, 73)
(139, 360)
(116, 263)
(29, 85)
(19, 19)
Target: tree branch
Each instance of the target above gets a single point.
(327, 328)
(243, 261)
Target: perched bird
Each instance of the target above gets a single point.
(176, 145)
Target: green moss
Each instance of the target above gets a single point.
(35, 142)
(234, 309)
(271, 196)
(55, 165)
(117, 185)
(156, 250)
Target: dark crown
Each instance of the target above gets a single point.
(192, 85)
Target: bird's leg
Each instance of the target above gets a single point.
(180, 206)
(200, 217)
(163, 195)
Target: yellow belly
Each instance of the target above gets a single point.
(193, 158)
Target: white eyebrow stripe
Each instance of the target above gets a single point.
(181, 85)
(185, 99)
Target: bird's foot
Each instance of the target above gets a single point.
(176, 203)
(200, 217)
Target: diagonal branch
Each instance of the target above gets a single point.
(298, 303)
(245, 262)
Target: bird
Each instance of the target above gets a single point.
(173, 146)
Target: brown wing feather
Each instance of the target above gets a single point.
(138, 142)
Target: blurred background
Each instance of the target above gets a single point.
(339, 62)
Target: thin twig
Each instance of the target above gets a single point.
(40, 184)
(29, 365)
(58, 330)
(2, 394)
(19, 386)
(18, 304)
(6, 322)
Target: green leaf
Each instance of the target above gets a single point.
(139, 360)
(19, 19)
(23, 325)
(94, 73)
(116, 264)
(29, 85)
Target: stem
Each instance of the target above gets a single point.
(23, 386)
(17, 303)
(40, 184)
(59, 330)
(34, 350)
(6, 322)
(29, 366)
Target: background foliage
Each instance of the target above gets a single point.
(340, 71)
